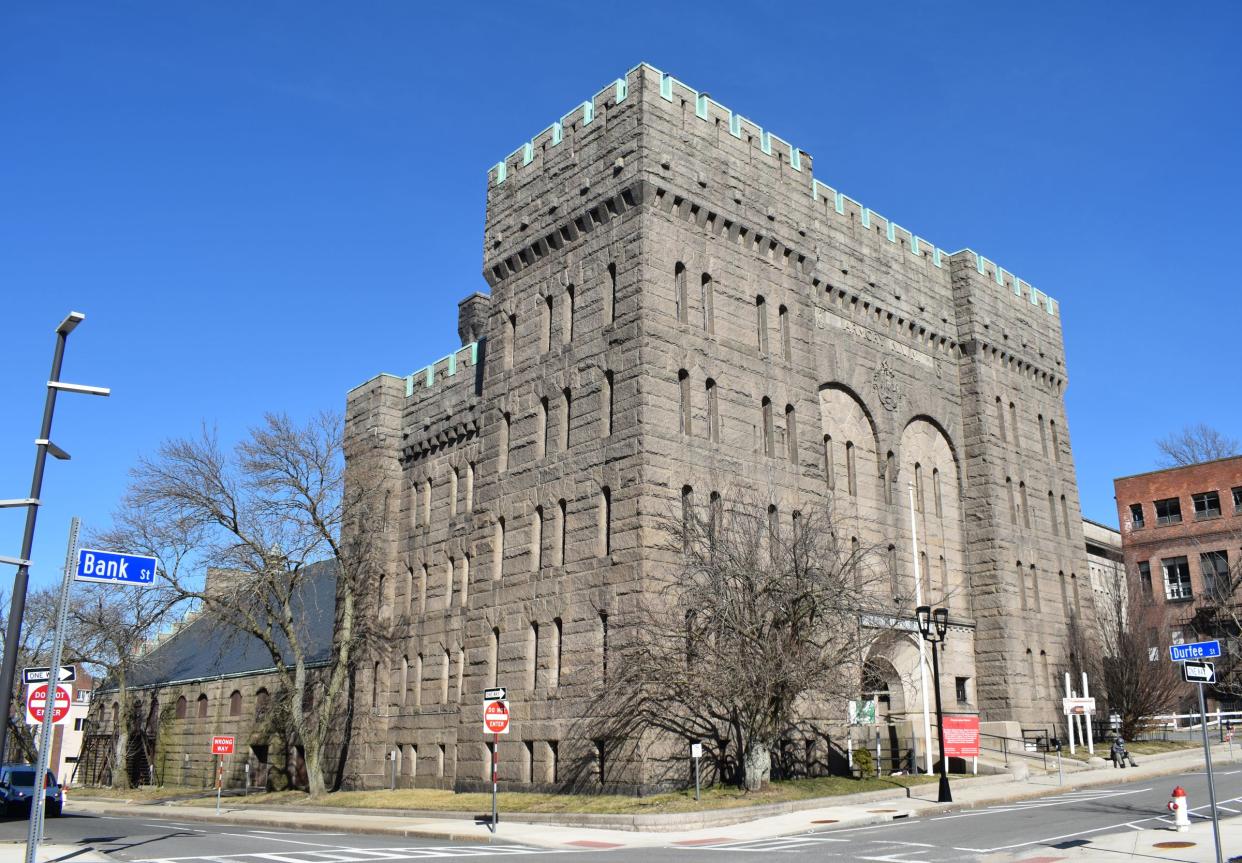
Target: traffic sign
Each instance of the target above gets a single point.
(36, 703)
(68, 673)
(862, 712)
(1199, 672)
(496, 717)
(961, 736)
(497, 694)
(1078, 706)
(222, 746)
(114, 567)
(1194, 650)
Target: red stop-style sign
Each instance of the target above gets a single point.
(222, 746)
(496, 717)
(36, 703)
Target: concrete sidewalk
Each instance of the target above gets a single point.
(1194, 846)
(683, 829)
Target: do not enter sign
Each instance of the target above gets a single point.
(496, 717)
(36, 703)
(222, 746)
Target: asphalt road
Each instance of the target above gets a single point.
(998, 832)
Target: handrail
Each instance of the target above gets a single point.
(1018, 749)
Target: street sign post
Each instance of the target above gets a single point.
(1078, 706)
(696, 752)
(961, 736)
(1194, 650)
(220, 746)
(68, 674)
(112, 567)
(1200, 673)
(495, 723)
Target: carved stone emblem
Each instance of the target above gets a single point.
(884, 382)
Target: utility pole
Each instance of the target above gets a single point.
(43, 446)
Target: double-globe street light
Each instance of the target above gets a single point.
(933, 626)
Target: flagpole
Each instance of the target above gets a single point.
(918, 600)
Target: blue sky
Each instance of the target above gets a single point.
(260, 205)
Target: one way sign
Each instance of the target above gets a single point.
(40, 675)
(1199, 672)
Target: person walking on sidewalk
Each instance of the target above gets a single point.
(1120, 754)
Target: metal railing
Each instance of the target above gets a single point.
(1011, 747)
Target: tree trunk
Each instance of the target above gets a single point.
(313, 755)
(120, 757)
(758, 766)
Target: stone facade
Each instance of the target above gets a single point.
(678, 308)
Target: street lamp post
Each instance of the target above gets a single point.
(43, 447)
(933, 626)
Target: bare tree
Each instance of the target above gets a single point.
(756, 621)
(1127, 653)
(263, 514)
(1194, 444)
(111, 628)
(1217, 611)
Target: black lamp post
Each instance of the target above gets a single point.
(933, 626)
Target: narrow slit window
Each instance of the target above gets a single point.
(606, 402)
(560, 532)
(612, 293)
(605, 521)
(545, 324)
(682, 296)
(791, 434)
(567, 331)
(541, 429)
(709, 305)
(683, 411)
(536, 540)
(713, 412)
(761, 324)
(786, 338)
(566, 408)
(769, 438)
(829, 470)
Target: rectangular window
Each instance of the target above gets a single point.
(1207, 504)
(1237, 499)
(962, 687)
(1168, 511)
(1144, 570)
(1136, 516)
(1176, 578)
(1215, 568)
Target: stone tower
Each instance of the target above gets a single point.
(678, 307)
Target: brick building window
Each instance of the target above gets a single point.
(1176, 578)
(769, 440)
(545, 324)
(541, 428)
(761, 324)
(1237, 499)
(606, 402)
(791, 434)
(611, 295)
(709, 305)
(682, 297)
(536, 540)
(1207, 504)
(605, 521)
(683, 401)
(713, 412)
(1136, 516)
(1215, 568)
(1144, 573)
(782, 314)
(1168, 511)
(560, 533)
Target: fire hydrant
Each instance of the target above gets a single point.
(1181, 813)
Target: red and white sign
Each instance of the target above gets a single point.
(496, 717)
(36, 701)
(961, 736)
(222, 746)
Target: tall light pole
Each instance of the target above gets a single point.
(933, 626)
(43, 446)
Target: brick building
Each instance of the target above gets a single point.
(1181, 532)
(678, 307)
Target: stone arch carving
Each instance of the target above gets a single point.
(928, 462)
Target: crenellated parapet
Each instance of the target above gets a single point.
(646, 82)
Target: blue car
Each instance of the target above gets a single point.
(17, 790)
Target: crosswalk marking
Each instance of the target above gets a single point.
(360, 855)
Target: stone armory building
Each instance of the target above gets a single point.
(677, 307)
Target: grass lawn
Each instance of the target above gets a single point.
(677, 801)
(144, 794)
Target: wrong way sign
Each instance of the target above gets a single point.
(36, 703)
(496, 717)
